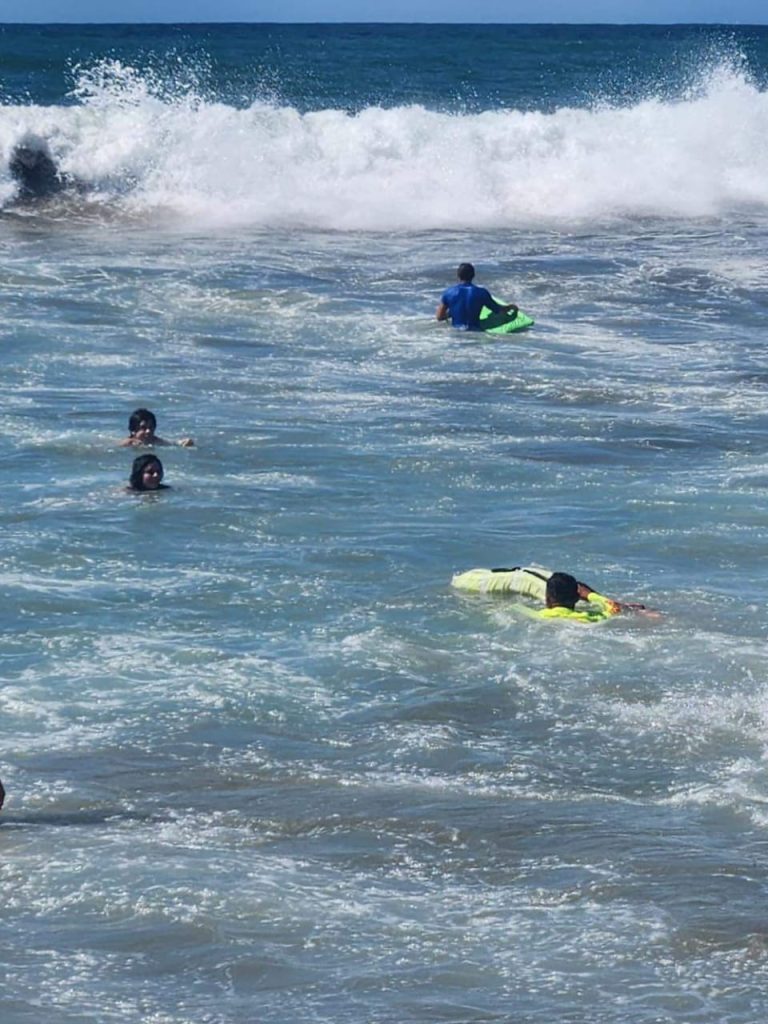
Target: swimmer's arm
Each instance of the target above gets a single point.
(160, 442)
(442, 312)
(640, 609)
(611, 607)
(605, 604)
(510, 308)
(135, 442)
(498, 307)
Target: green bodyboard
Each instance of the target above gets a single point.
(500, 323)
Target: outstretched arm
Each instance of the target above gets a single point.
(586, 593)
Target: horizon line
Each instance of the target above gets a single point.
(332, 22)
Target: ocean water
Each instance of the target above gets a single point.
(262, 764)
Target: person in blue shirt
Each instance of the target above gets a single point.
(462, 303)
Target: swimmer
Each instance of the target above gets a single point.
(463, 302)
(142, 425)
(559, 590)
(146, 474)
(562, 593)
(2, 794)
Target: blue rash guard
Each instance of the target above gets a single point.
(464, 301)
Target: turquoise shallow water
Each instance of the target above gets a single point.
(262, 763)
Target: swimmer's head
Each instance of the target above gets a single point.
(465, 272)
(142, 424)
(146, 473)
(562, 591)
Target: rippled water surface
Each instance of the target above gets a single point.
(262, 763)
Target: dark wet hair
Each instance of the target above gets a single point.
(465, 272)
(139, 416)
(562, 590)
(140, 463)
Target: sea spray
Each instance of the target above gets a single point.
(131, 144)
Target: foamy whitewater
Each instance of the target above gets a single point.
(262, 763)
(137, 150)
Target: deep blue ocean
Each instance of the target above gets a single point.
(263, 764)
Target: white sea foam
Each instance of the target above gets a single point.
(134, 146)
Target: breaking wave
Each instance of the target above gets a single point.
(130, 144)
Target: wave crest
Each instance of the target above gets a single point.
(136, 143)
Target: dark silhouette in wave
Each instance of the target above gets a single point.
(35, 172)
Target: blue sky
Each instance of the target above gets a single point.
(727, 11)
